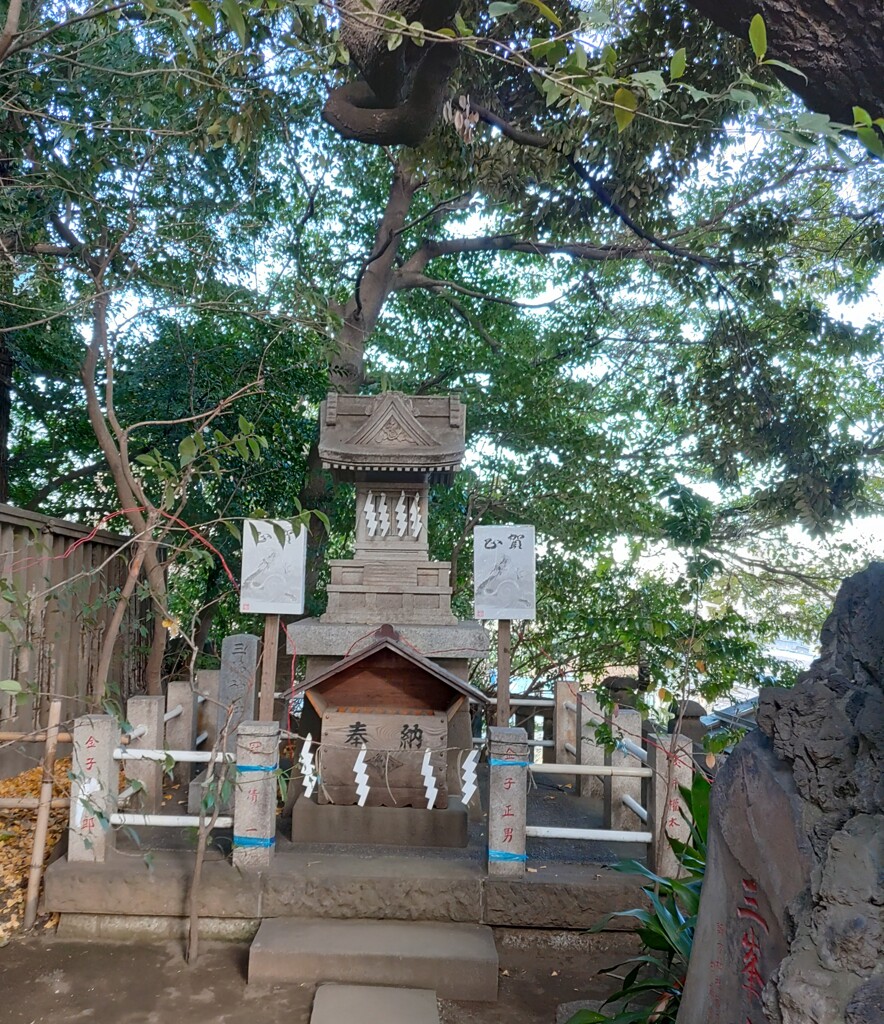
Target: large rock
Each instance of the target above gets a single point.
(790, 928)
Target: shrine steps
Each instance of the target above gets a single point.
(458, 961)
(374, 1005)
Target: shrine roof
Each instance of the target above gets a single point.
(390, 641)
(392, 433)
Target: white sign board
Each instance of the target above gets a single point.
(503, 572)
(272, 572)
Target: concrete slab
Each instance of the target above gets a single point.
(380, 826)
(459, 961)
(374, 1005)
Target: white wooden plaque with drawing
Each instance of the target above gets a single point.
(273, 572)
(504, 572)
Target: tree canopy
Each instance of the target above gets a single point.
(615, 233)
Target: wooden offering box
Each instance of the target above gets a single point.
(397, 705)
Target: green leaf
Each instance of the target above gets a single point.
(10, 686)
(545, 11)
(587, 1017)
(678, 64)
(462, 27)
(758, 36)
(146, 460)
(498, 9)
(232, 12)
(625, 105)
(186, 451)
(786, 67)
(202, 11)
(862, 116)
(871, 140)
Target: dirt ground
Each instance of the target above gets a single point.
(43, 979)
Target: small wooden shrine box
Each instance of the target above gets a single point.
(397, 705)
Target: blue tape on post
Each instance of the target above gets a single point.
(257, 767)
(496, 762)
(254, 841)
(506, 855)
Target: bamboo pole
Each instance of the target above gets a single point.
(39, 850)
(33, 737)
(31, 803)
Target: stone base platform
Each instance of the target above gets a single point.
(374, 1005)
(328, 882)
(458, 961)
(380, 826)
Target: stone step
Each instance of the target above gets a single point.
(368, 1004)
(458, 961)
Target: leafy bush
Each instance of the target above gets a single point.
(651, 990)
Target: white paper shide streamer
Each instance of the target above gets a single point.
(469, 776)
(362, 786)
(429, 780)
(307, 768)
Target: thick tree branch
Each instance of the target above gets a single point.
(66, 478)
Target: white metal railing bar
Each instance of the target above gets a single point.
(635, 806)
(193, 756)
(571, 749)
(201, 698)
(632, 748)
(176, 712)
(569, 705)
(128, 793)
(168, 820)
(201, 738)
(593, 834)
(603, 770)
(137, 733)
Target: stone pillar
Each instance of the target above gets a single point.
(589, 715)
(146, 712)
(564, 720)
(180, 731)
(94, 787)
(507, 799)
(670, 758)
(236, 692)
(208, 684)
(627, 724)
(254, 810)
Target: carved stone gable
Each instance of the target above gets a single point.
(392, 425)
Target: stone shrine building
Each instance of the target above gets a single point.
(392, 447)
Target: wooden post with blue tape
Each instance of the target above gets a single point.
(254, 809)
(507, 798)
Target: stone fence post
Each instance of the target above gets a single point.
(94, 787)
(564, 719)
(507, 800)
(625, 724)
(589, 715)
(254, 807)
(181, 730)
(147, 712)
(671, 760)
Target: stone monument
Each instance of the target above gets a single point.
(392, 447)
(790, 929)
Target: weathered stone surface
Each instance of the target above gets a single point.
(798, 813)
(371, 1004)
(381, 826)
(559, 901)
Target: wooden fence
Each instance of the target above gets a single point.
(58, 583)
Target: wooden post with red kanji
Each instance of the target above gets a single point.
(94, 788)
(670, 758)
(507, 800)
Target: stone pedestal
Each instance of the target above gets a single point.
(379, 826)
(146, 713)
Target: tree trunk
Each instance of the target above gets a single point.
(5, 416)
(838, 44)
